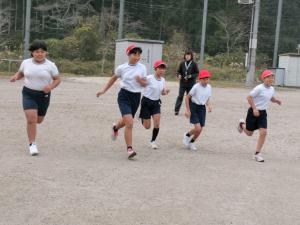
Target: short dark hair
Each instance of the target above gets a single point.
(188, 52)
(135, 50)
(38, 44)
(162, 66)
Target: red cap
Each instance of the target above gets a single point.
(204, 74)
(130, 47)
(158, 63)
(266, 73)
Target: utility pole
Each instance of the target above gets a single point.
(102, 24)
(27, 29)
(253, 47)
(203, 33)
(121, 20)
(278, 23)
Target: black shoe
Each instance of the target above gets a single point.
(176, 113)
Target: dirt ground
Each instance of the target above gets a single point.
(81, 177)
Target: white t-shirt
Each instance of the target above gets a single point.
(200, 94)
(154, 87)
(127, 73)
(262, 95)
(38, 75)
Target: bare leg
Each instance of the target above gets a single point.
(247, 132)
(32, 119)
(120, 124)
(147, 123)
(128, 122)
(261, 139)
(40, 119)
(156, 120)
(196, 131)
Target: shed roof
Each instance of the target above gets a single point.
(141, 40)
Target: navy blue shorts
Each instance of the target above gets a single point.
(253, 122)
(149, 108)
(198, 114)
(128, 102)
(38, 100)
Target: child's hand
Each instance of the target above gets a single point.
(165, 91)
(209, 108)
(187, 114)
(278, 102)
(256, 112)
(47, 89)
(13, 78)
(100, 93)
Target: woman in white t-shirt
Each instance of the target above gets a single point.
(259, 99)
(133, 78)
(150, 104)
(40, 77)
(196, 102)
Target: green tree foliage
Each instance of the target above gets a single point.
(86, 29)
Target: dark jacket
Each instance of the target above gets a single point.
(188, 75)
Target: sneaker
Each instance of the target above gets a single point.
(176, 113)
(240, 125)
(153, 145)
(193, 146)
(33, 149)
(131, 153)
(258, 157)
(114, 133)
(186, 140)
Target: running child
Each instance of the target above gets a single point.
(196, 102)
(259, 99)
(150, 104)
(133, 79)
(40, 77)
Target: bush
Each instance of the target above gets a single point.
(79, 67)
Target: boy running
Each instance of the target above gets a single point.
(196, 102)
(150, 104)
(259, 99)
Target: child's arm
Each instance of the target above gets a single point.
(275, 100)
(18, 75)
(209, 106)
(143, 82)
(251, 103)
(111, 81)
(187, 106)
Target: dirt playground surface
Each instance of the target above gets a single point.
(81, 177)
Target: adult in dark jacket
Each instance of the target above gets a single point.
(187, 74)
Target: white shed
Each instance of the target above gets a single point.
(152, 50)
(291, 63)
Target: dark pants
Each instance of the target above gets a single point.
(182, 90)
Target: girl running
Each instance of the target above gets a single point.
(133, 79)
(41, 76)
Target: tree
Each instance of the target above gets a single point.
(235, 31)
